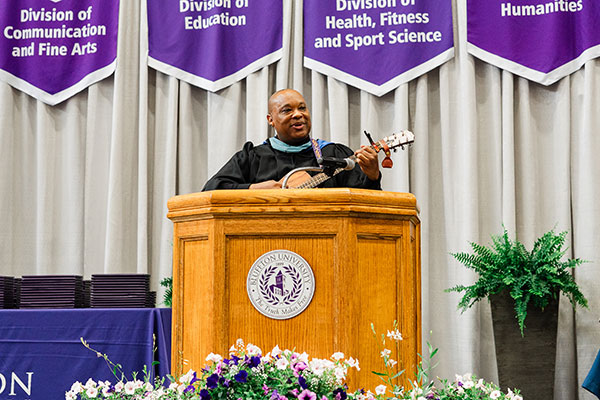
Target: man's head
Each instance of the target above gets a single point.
(289, 115)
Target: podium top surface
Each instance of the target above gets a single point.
(291, 201)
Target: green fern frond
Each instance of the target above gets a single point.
(532, 277)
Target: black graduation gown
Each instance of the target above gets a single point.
(254, 164)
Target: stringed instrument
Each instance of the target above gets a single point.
(303, 180)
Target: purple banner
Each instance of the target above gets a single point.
(53, 49)
(213, 43)
(541, 40)
(376, 45)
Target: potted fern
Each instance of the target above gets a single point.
(523, 285)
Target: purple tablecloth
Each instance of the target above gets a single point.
(41, 354)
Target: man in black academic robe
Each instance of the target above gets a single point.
(263, 166)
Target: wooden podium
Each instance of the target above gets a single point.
(362, 245)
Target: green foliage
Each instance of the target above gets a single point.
(532, 277)
(168, 297)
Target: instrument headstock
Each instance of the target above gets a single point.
(401, 139)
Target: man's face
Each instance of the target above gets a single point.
(289, 115)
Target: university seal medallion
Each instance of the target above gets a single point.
(280, 284)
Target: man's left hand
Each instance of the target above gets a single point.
(368, 162)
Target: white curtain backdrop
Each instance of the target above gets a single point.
(84, 184)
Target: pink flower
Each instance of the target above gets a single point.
(307, 395)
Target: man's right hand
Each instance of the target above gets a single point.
(266, 185)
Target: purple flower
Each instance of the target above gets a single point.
(307, 395)
(224, 382)
(253, 361)
(302, 382)
(212, 381)
(340, 394)
(190, 388)
(194, 378)
(234, 360)
(204, 395)
(241, 376)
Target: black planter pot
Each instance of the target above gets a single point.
(526, 363)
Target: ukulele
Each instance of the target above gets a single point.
(302, 180)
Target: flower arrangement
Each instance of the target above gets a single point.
(246, 374)
(465, 387)
(286, 375)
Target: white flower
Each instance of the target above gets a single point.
(468, 384)
(385, 353)
(91, 392)
(480, 384)
(303, 357)
(77, 387)
(129, 388)
(495, 394)
(337, 356)
(518, 397)
(119, 386)
(276, 351)
(287, 353)
(187, 377)
(232, 349)
(90, 384)
(70, 396)
(282, 363)
(380, 390)
(395, 334)
(173, 386)
(148, 387)
(106, 391)
(317, 366)
(353, 363)
(391, 362)
(340, 373)
(253, 350)
(214, 357)
(181, 388)
(138, 384)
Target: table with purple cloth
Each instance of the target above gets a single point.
(41, 354)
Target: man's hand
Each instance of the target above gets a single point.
(368, 162)
(266, 185)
